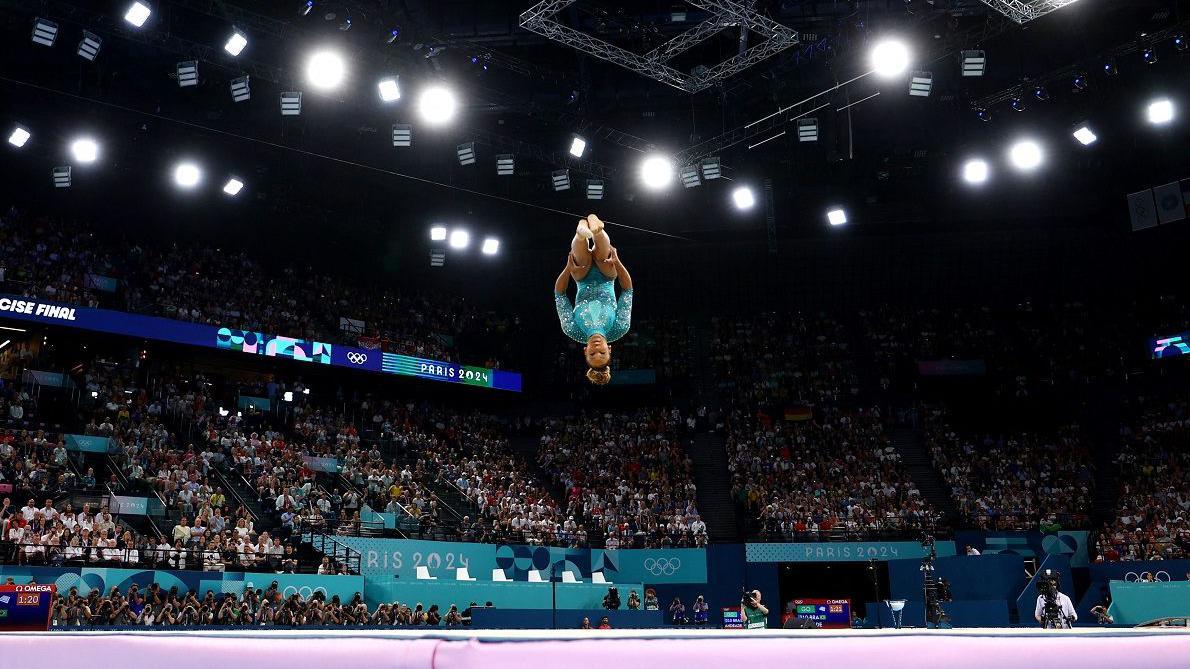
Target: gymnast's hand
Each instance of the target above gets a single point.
(613, 257)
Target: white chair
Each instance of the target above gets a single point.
(568, 577)
(535, 577)
(598, 577)
(461, 574)
(499, 575)
(423, 574)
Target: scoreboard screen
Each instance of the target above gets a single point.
(25, 608)
(732, 620)
(824, 613)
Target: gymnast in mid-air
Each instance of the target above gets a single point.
(597, 318)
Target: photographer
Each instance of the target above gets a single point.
(755, 614)
(1054, 610)
(611, 601)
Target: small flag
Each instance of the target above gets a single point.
(1143, 210)
(1171, 206)
(798, 412)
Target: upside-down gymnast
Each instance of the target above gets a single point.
(597, 317)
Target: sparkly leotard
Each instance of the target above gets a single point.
(596, 310)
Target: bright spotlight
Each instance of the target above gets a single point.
(1085, 135)
(19, 136)
(1025, 155)
(657, 172)
(325, 70)
(743, 197)
(389, 90)
(836, 217)
(577, 146)
(137, 14)
(490, 246)
(235, 43)
(975, 171)
(459, 239)
(233, 186)
(187, 175)
(84, 150)
(1160, 111)
(890, 58)
(437, 105)
(437, 234)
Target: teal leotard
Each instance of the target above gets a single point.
(596, 310)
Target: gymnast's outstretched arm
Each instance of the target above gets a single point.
(625, 279)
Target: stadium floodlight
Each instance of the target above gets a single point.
(84, 150)
(235, 43)
(505, 164)
(743, 197)
(490, 246)
(889, 58)
(577, 146)
(974, 63)
(437, 257)
(1149, 54)
(836, 217)
(61, 176)
(90, 45)
(325, 70)
(807, 130)
(19, 136)
(402, 134)
(975, 171)
(44, 32)
(187, 175)
(1084, 134)
(594, 189)
(390, 90)
(921, 83)
(983, 115)
(1110, 69)
(690, 176)
(137, 14)
(188, 73)
(437, 105)
(466, 153)
(240, 91)
(711, 168)
(1080, 82)
(438, 233)
(1161, 111)
(291, 103)
(233, 186)
(560, 179)
(656, 172)
(1025, 155)
(1041, 93)
(459, 239)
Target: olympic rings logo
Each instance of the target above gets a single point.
(357, 358)
(305, 591)
(662, 566)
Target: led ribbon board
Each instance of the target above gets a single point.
(255, 343)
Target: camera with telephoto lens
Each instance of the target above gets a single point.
(1051, 611)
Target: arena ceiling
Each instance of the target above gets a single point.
(890, 158)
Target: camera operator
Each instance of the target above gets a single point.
(755, 614)
(1054, 610)
(611, 601)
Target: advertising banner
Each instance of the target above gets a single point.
(401, 557)
(255, 343)
(843, 551)
(103, 579)
(87, 443)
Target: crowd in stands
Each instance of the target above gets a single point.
(267, 607)
(777, 360)
(834, 474)
(67, 261)
(1015, 481)
(627, 477)
(1153, 513)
